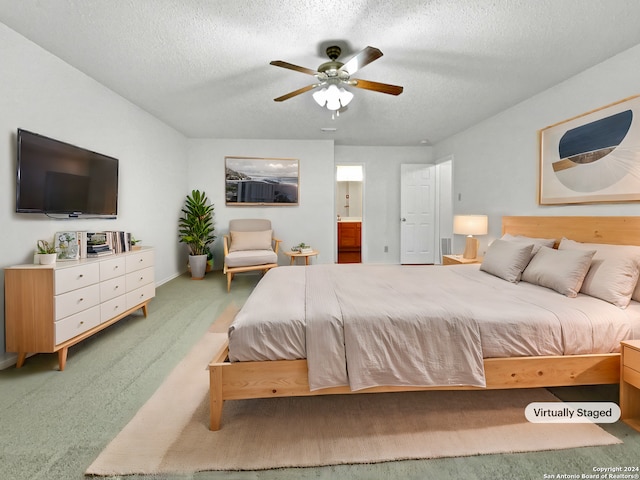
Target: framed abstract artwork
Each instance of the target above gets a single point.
(261, 181)
(592, 158)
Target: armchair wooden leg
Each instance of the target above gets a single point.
(229, 278)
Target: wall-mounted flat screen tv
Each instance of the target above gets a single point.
(57, 178)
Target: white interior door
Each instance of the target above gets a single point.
(417, 210)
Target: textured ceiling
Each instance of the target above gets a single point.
(202, 66)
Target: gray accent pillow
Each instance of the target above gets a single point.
(560, 270)
(614, 271)
(241, 241)
(537, 242)
(506, 259)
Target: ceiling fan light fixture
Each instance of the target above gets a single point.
(333, 98)
(321, 97)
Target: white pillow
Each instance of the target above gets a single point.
(537, 242)
(560, 270)
(250, 240)
(506, 259)
(614, 271)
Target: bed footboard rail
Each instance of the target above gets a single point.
(288, 378)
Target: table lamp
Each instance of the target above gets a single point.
(470, 225)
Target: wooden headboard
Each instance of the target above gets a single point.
(612, 230)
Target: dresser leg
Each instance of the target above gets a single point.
(22, 356)
(144, 310)
(62, 357)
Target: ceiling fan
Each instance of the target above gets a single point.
(333, 75)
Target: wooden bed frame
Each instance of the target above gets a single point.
(286, 378)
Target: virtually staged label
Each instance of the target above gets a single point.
(572, 412)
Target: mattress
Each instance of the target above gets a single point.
(401, 303)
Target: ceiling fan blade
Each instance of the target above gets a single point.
(291, 66)
(361, 59)
(295, 92)
(376, 86)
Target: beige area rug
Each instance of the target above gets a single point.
(170, 432)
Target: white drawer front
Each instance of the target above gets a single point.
(138, 261)
(141, 295)
(112, 268)
(67, 279)
(139, 278)
(76, 301)
(77, 324)
(112, 288)
(112, 308)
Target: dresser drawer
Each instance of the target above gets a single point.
(632, 377)
(138, 261)
(140, 295)
(632, 358)
(139, 278)
(76, 324)
(112, 268)
(112, 308)
(76, 301)
(67, 279)
(112, 288)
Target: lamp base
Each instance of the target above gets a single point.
(471, 248)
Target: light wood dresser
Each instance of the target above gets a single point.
(630, 383)
(49, 308)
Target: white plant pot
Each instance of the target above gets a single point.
(47, 258)
(198, 266)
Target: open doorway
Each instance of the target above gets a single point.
(349, 183)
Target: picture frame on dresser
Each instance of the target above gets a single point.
(67, 246)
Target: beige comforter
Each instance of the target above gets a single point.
(368, 325)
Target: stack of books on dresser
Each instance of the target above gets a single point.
(97, 245)
(107, 243)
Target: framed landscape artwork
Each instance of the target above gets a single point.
(592, 158)
(261, 181)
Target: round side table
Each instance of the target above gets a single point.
(305, 255)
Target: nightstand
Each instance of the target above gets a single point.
(459, 260)
(630, 383)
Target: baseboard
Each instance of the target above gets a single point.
(8, 360)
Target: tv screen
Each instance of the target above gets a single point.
(58, 178)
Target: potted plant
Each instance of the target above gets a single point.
(195, 228)
(134, 243)
(46, 252)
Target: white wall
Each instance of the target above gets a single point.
(381, 191)
(41, 93)
(496, 162)
(310, 222)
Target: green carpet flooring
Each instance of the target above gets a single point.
(54, 424)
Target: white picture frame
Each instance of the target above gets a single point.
(67, 246)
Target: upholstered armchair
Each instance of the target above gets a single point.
(249, 246)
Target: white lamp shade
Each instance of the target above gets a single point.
(470, 224)
(321, 97)
(332, 97)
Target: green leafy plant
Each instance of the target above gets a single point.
(134, 240)
(299, 247)
(195, 227)
(44, 247)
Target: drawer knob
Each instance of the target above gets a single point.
(80, 276)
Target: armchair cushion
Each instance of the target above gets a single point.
(241, 241)
(247, 258)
